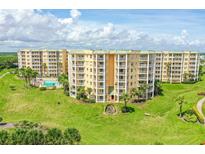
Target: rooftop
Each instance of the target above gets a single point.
(90, 51)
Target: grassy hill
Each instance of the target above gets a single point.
(162, 127)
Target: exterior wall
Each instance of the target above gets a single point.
(110, 73)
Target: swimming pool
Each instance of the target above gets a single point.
(49, 83)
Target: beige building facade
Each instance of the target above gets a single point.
(110, 73)
(48, 63)
(175, 67)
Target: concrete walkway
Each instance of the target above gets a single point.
(200, 105)
(4, 74)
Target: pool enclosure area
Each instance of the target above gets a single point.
(47, 83)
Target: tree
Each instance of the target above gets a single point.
(1, 119)
(188, 76)
(180, 101)
(200, 72)
(66, 89)
(81, 93)
(4, 137)
(157, 88)
(72, 136)
(168, 68)
(35, 137)
(89, 91)
(54, 137)
(142, 90)
(63, 79)
(125, 97)
(27, 74)
(44, 67)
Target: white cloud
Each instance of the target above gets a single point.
(75, 14)
(35, 29)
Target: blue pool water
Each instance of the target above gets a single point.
(48, 83)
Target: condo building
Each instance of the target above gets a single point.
(48, 63)
(110, 73)
(174, 66)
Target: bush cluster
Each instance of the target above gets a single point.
(28, 133)
(42, 88)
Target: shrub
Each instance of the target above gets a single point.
(4, 137)
(190, 117)
(126, 109)
(42, 88)
(27, 124)
(19, 136)
(72, 136)
(89, 100)
(54, 137)
(201, 93)
(35, 137)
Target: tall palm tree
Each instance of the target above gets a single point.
(44, 66)
(59, 66)
(168, 67)
(27, 74)
(63, 79)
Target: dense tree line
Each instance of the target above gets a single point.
(8, 61)
(35, 135)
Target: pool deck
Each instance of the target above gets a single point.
(39, 82)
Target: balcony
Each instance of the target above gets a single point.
(143, 65)
(122, 59)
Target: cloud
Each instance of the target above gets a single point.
(37, 29)
(75, 14)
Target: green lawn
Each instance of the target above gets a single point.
(96, 128)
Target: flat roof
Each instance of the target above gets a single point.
(81, 51)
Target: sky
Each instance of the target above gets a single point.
(102, 29)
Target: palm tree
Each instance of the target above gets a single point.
(200, 72)
(63, 79)
(59, 66)
(44, 66)
(81, 93)
(27, 74)
(125, 97)
(157, 88)
(180, 100)
(133, 93)
(142, 90)
(89, 91)
(168, 67)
